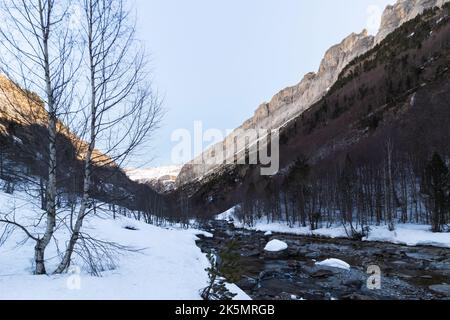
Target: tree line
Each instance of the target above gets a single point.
(357, 195)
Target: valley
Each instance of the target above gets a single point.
(358, 208)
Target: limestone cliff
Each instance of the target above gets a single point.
(292, 101)
(402, 11)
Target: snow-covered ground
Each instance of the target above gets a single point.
(227, 215)
(159, 263)
(405, 234)
(410, 235)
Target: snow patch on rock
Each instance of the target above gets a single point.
(334, 263)
(276, 246)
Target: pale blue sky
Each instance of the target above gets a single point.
(217, 60)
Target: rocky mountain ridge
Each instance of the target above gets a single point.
(396, 94)
(292, 101)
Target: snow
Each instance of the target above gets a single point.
(240, 295)
(276, 246)
(159, 263)
(334, 263)
(226, 216)
(162, 179)
(410, 235)
(153, 173)
(405, 234)
(268, 233)
(17, 140)
(168, 266)
(262, 226)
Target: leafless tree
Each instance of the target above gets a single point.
(122, 110)
(389, 185)
(36, 54)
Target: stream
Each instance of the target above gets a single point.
(407, 273)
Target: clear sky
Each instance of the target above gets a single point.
(218, 60)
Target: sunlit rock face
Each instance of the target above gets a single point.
(26, 108)
(292, 101)
(404, 10)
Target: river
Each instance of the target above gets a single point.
(407, 273)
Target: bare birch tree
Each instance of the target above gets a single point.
(122, 110)
(36, 54)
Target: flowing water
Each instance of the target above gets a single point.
(406, 272)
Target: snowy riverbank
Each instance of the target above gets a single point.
(160, 263)
(405, 234)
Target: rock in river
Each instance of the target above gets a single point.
(443, 289)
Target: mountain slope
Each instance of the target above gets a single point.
(398, 91)
(24, 153)
(292, 101)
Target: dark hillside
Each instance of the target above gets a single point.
(380, 123)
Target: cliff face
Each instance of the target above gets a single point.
(288, 103)
(402, 11)
(396, 94)
(293, 101)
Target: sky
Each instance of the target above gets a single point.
(216, 61)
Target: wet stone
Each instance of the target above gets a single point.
(322, 274)
(253, 253)
(312, 255)
(443, 265)
(284, 296)
(407, 272)
(442, 289)
(400, 263)
(276, 255)
(357, 297)
(247, 283)
(354, 284)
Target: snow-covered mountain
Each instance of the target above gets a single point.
(162, 179)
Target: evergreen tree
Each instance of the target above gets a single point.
(436, 189)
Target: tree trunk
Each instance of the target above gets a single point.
(42, 244)
(65, 263)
